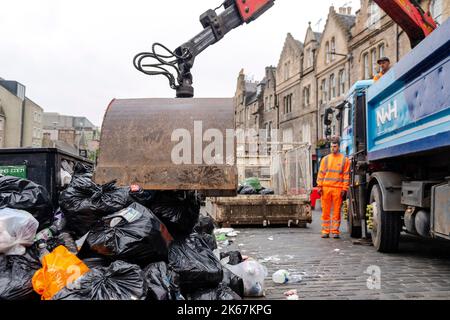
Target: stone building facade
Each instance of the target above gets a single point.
(288, 89)
(315, 75)
(269, 111)
(33, 124)
(333, 65)
(20, 117)
(308, 115)
(375, 34)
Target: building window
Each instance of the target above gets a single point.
(366, 69)
(436, 10)
(287, 66)
(381, 50)
(341, 90)
(333, 49)
(270, 102)
(332, 86)
(2, 124)
(324, 89)
(327, 52)
(290, 103)
(306, 96)
(374, 14)
(306, 133)
(373, 54)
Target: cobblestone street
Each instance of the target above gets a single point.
(336, 269)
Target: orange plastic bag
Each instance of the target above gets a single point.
(59, 269)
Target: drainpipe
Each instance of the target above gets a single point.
(22, 127)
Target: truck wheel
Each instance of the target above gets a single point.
(355, 231)
(386, 225)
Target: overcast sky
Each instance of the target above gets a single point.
(75, 56)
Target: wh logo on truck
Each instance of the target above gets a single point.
(387, 114)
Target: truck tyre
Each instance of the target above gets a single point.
(355, 231)
(386, 225)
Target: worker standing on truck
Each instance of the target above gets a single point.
(385, 65)
(333, 182)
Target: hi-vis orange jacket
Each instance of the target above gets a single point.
(334, 172)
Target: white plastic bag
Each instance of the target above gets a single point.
(65, 178)
(253, 275)
(17, 231)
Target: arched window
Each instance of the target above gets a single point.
(327, 52)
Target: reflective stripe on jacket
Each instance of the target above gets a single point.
(334, 172)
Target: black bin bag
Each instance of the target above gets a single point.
(209, 240)
(119, 281)
(178, 210)
(195, 263)
(221, 293)
(205, 224)
(134, 235)
(234, 257)
(162, 282)
(84, 203)
(234, 282)
(16, 273)
(22, 194)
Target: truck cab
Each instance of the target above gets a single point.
(352, 118)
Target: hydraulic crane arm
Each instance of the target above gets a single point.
(410, 16)
(235, 13)
(406, 13)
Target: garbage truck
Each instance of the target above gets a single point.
(397, 134)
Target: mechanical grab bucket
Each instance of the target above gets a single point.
(170, 144)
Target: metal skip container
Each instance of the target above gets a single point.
(170, 144)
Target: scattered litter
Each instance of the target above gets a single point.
(223, 231)
(293, 297)
(270, 238)
(221, 237)
(272, 259)
(232, 234)
(290, 293)
(241, 245)
(284, 276)
(337, 250)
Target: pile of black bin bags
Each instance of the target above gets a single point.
(138, 245)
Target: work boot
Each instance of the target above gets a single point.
(325, 236)
(336, 236)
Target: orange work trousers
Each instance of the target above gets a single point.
(331, 197)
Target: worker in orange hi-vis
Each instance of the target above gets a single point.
(333, 182)
(385, 66)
